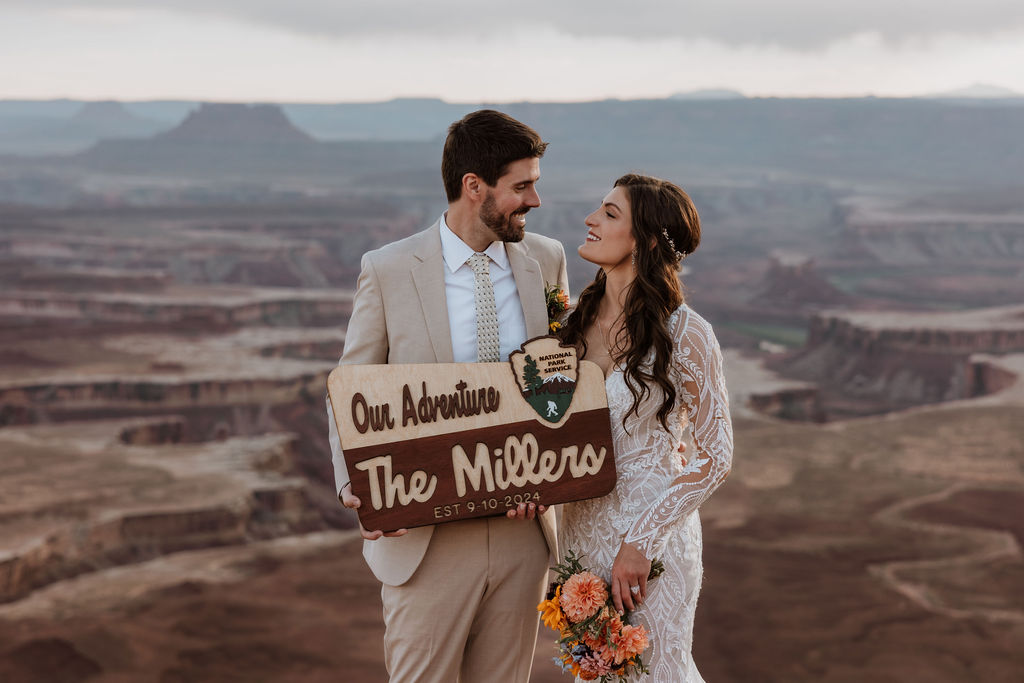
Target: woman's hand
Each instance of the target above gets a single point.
(629, 570)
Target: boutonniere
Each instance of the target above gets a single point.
(557, 301)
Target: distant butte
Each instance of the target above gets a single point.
(878, 361)
(221, 143)
(107, 113)
(795, 280)
(238, 123)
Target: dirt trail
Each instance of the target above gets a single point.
(987, 546)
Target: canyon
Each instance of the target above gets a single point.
(169, 315)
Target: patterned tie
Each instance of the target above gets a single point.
(487, 348)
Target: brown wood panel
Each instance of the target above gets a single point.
(415, 482)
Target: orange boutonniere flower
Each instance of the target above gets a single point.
(558, 302)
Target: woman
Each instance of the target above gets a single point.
(663, 370)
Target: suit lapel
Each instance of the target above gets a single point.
(428, 276)
(530, 283)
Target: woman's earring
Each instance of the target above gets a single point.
(634, 257)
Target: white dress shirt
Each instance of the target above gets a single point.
(459, 281)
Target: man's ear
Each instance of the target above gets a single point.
(472, 186)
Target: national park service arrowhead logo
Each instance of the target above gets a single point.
(546, 374)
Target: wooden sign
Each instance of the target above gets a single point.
(432, 443)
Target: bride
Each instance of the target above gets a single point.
(663, 370)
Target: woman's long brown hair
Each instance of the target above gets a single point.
(658, 207)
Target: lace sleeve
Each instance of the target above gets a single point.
(701, 389)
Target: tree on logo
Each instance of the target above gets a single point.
(531, 375)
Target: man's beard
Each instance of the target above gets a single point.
(507, 228)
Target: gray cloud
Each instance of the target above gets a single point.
(800, 24)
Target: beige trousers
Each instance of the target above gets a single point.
(469, 612)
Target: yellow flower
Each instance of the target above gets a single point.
(551, 612)
(554, 326)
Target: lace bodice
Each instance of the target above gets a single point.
(658, 492)
(702, 419)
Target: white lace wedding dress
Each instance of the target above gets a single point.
(655, 500)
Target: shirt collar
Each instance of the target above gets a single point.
(456, 252)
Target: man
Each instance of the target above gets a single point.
(460, 598)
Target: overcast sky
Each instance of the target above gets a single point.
(343, 50)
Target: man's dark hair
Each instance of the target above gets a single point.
(485, 142)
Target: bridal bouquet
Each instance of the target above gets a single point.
(596, 642)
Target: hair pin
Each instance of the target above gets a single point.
(672, 245)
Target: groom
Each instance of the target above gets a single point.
(460, 598)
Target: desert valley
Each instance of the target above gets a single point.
(175, 283)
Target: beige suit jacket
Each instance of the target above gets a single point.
(400, 315)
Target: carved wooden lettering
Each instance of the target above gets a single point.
(426, 444)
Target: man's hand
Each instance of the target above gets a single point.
(526, 511)
(352, 502)
(629, 571)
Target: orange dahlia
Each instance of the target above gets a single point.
(582, 595)
(629, 642)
